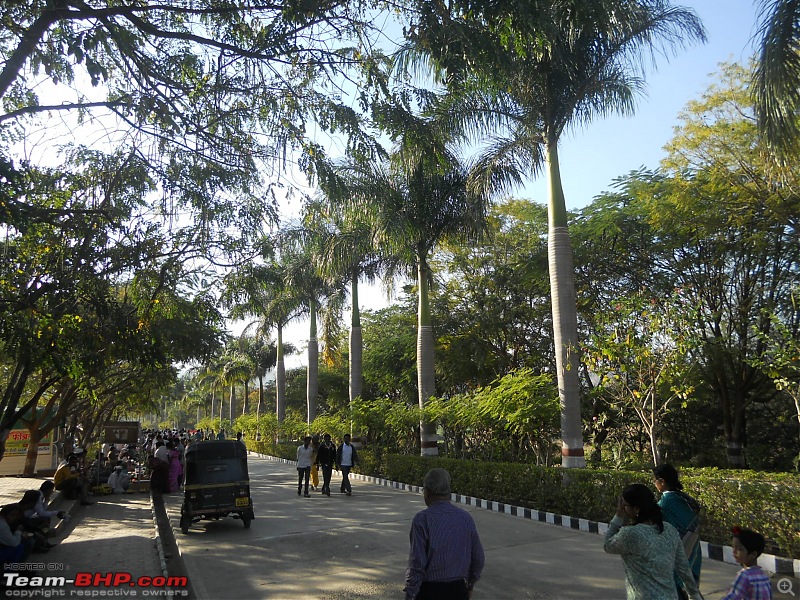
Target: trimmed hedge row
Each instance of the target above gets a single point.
(771, 506)
(766, 502)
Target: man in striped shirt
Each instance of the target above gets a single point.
(446, 557)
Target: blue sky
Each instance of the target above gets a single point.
(593, 156)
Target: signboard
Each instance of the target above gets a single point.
(13, 462)
(121, 432)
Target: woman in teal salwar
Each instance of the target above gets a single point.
(682, 512)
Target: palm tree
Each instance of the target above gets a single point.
(777, 76)
(347, 255)
(561, 65)
(260, 291)
(209, 378)
(264, 354)
(301, 246)
(236, 368)
(419, 198)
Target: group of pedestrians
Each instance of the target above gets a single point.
(314, 454)
(660, 544)
(658, 541)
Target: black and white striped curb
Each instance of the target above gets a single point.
(768, 562)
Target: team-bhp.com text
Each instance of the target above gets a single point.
(93, 585)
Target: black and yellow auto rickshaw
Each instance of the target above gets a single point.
(217, 483)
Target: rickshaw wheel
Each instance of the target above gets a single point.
(185, 525)
(246, 520)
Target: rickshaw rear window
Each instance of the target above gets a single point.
(215, 451)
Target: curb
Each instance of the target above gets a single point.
(769, 562)
(56, 500)
(162, 558)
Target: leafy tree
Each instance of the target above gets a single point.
(390, 353)
(640, 358)
(205, 86)
(781, 362)
(739, 262)
(89, 284)
(493, 307)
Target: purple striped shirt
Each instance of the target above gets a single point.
(750, 584)
(444, 547)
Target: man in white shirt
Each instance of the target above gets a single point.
(305, 454)
(119, 480)
(346, 458)
(162, 452)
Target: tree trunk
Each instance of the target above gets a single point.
(565, 319)
(356, 345)
(312, 371)
(232, 414)
(33, 452)
(426, 375)
(280, 380)
(260, 396)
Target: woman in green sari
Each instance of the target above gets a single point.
(682, 512)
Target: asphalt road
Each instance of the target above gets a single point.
(356, 547)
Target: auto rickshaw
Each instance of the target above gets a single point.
(217, 483)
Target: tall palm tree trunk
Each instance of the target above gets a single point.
(312, 373)
(213, 403)
(565, 316)
(280, 379)
(232, 405)
(426, 376)
(356, 344)
(260, 396)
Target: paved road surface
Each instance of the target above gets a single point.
(356, 547)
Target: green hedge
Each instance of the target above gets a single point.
(771, 506)
(581, 493)
(765, 502)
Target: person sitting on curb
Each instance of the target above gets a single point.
(39, 515)
(37, 530)
(15, 546)
(68, 481)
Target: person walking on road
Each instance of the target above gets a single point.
(346, 458)
(304, 459)
(651, 549)
(326, 457)
(314, 463)
(683, 513)
(751, 582)
(446, 556)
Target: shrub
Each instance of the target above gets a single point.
(767, 502)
